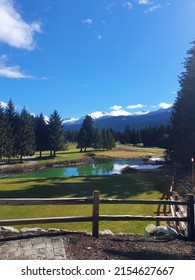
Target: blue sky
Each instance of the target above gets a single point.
(83, 56)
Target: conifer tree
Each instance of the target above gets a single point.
(41, 134)
(25, 135)
(56, 133)
(97, 139)
(182, 140)
(10, 134)
(85, 136)
(2, 132)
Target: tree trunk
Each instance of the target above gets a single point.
(21, 159)
(40, 154)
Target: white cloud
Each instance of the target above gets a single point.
(109, 6)
(143, 2)
(152, 9)
(137, 106)
(119, 112)
(14, 30)
(13, 72)
(127, 5)
(87, 21)
(116, 107)
(164, 105)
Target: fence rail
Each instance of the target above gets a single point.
(95, 218)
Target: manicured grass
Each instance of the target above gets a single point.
(121, 151)
(143, 185)
(72, 153)
(129, 151)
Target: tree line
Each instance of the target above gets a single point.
(156, 136)
(22, 134)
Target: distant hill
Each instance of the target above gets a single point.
(119, 123)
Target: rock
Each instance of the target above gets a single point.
(8, 229)
(128, 170)
(166, 230)
(35, 229)
(152, 230)
(54, 229)
(106, 232)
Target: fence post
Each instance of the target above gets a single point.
(191, 216)
(95, 221)
(176, 210)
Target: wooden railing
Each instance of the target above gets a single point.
(180, 211)
(96, 217)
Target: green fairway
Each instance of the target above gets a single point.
(142, 185)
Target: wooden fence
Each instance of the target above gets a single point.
(95, 218)
(179, 211)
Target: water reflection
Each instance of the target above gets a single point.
(98, 168)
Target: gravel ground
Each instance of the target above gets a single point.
(82, 246)
(128, 247)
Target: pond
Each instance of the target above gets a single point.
(98, 168)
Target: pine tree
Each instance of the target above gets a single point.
(25, 135)
(97, 139)
(108, 141)
(10, 134)
(2, 132)
(85, 135)
(41, 134)
(182, 140)
(56, 133)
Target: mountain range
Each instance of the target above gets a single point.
(118, 123)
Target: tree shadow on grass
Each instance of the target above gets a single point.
(116, 186)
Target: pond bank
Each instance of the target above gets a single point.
(17, 168)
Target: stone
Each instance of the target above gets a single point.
(8, 229)
(128, 170)
(54, 229)
(35, 229)
(166, 230)
(106, 232)
(152, 230)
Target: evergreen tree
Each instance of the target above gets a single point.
(2, 132)
(10, 133)
(133, 137)
(108, 141)
(56, 133)
(182, 140)
(97, 139)
(127, 135)
(41, 134)
(25, 135)
(85, 135)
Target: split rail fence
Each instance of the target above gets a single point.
(95, 218)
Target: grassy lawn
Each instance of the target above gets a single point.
(143, 185)
(121, 151)
(129, 151)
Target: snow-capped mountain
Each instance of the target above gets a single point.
(119, 120)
